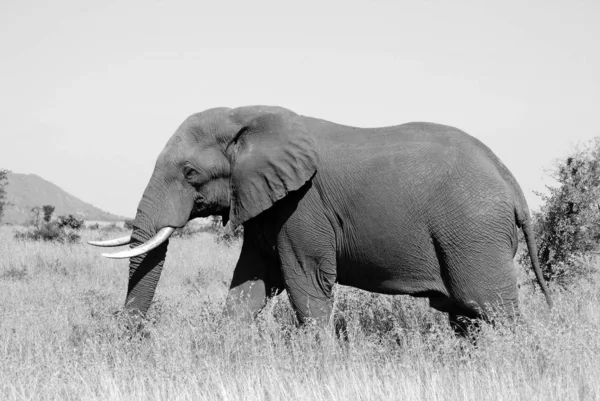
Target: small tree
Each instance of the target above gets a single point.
(568, 224)
(3, 182)
(48, 210)
(35, 216)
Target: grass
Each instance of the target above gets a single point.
(61, 338)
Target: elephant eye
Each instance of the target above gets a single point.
(189, 173)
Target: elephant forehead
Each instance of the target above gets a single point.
(207, 124)
(184, 150)
(177, 149)
(191, 136)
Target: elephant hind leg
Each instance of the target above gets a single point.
(463, 320)
(474, 304)
(479, 305)
(479, 275)
(486, 302)
(465, 323)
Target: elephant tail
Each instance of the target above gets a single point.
(525, 224)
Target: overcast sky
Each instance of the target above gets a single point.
(90, 92)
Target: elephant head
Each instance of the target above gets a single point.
(235, 163)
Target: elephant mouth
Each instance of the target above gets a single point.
(161, 236)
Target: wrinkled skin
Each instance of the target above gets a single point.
(420, 209)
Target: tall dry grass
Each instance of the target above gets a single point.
(60, 339)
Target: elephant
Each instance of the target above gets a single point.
(420, 208)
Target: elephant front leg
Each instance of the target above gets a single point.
(309, 279)
(256, 278)
(311, 307)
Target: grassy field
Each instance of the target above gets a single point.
(60, 338)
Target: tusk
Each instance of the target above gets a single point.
(147, 246)
(112, 242)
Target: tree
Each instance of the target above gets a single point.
(48, 210)
(3, 182)
(35, 214)
(568, 224)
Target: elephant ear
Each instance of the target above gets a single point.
(273, 155)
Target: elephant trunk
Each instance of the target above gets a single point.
(145, 269)
(163, 208)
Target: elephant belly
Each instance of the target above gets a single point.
(400, 267)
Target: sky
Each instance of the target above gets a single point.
(90, 92)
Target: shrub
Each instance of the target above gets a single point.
(110, 228)
(567, 228)
(228, 235)
(70, 221)
(223, 235)
(186, 232)
(192, 228)
(49, 232)
(128, 224)
(64, 230)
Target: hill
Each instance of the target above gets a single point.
(25, 191)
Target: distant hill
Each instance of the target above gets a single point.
(25, 191)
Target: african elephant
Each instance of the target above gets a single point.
(420, 209)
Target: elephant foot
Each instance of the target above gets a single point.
(464, 326)
(133, 324)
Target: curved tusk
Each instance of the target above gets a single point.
(147, 246)
(112, 242)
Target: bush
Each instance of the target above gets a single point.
(128, 224)
(70, 221)
(223, 235)
(49, 232)
(567, 228)
(192, 228)
(111, 228)
(186, 232)
(64, 230)
(228, 236)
